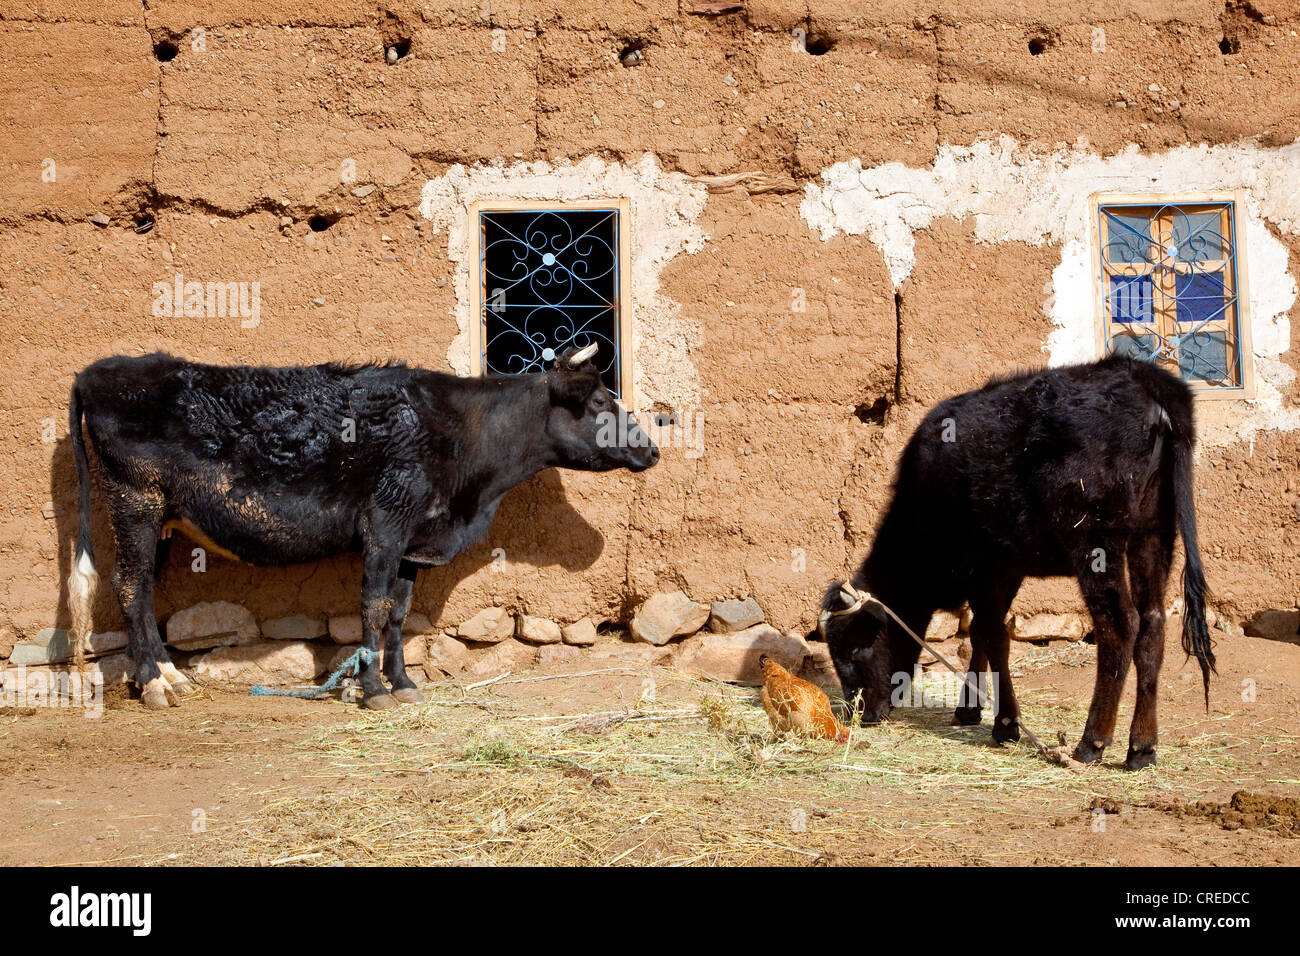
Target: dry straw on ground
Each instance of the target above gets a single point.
(694, 776)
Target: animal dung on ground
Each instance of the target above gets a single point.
(794, 705)
(1247, 810)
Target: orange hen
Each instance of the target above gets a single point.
(796, 705)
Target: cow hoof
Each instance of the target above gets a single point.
(1140, 759)
(409, 695)
(182, 685)
(1087, 752)
(380, 702)
(967, 716)
(158, 695)
(1005, 730)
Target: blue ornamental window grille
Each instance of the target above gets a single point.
(550, 280)
(1171, 285)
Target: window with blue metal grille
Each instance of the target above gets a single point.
(550, 281)
(1170, 275)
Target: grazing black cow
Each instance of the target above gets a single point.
(284, 465)
(1084, 471)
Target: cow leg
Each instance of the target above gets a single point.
(136, 517)
(1148, 572)
(404, 688)
(989, 628)
(1104, 583)
(970, 713)
(376, 606)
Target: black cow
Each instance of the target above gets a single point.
(1084, 470)
(283, 465)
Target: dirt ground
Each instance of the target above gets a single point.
(596, 763)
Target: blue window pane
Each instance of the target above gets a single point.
(1203, 357)
(550, 282)
(1199, 297)
(1197, 236)
(1137, 346)
(1128, 237)
(1130, 299)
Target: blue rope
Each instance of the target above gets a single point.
(353, 664)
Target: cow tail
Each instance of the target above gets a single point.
(1196, 633)
(83, 582)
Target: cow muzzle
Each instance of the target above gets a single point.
(642, 457)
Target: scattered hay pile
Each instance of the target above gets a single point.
(689, 775)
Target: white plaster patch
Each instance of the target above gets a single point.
(1018, 194)
(665, 208)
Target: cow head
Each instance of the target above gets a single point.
(589, 430)
(857, 633)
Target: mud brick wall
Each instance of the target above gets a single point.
(138, 141)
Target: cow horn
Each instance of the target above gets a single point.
(582, 355)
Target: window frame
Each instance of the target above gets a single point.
(1101, 286)
(622, 205)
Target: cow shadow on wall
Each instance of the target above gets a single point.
(536, 526)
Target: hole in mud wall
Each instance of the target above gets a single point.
(660, 415)
(875, 412)
(144, 222)
(320, 222)
(633, 54)
(1229, 45)
(397, 49)
(818, 45)
(1039, 45)
(165, 51)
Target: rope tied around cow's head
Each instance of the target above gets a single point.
(855, 599)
